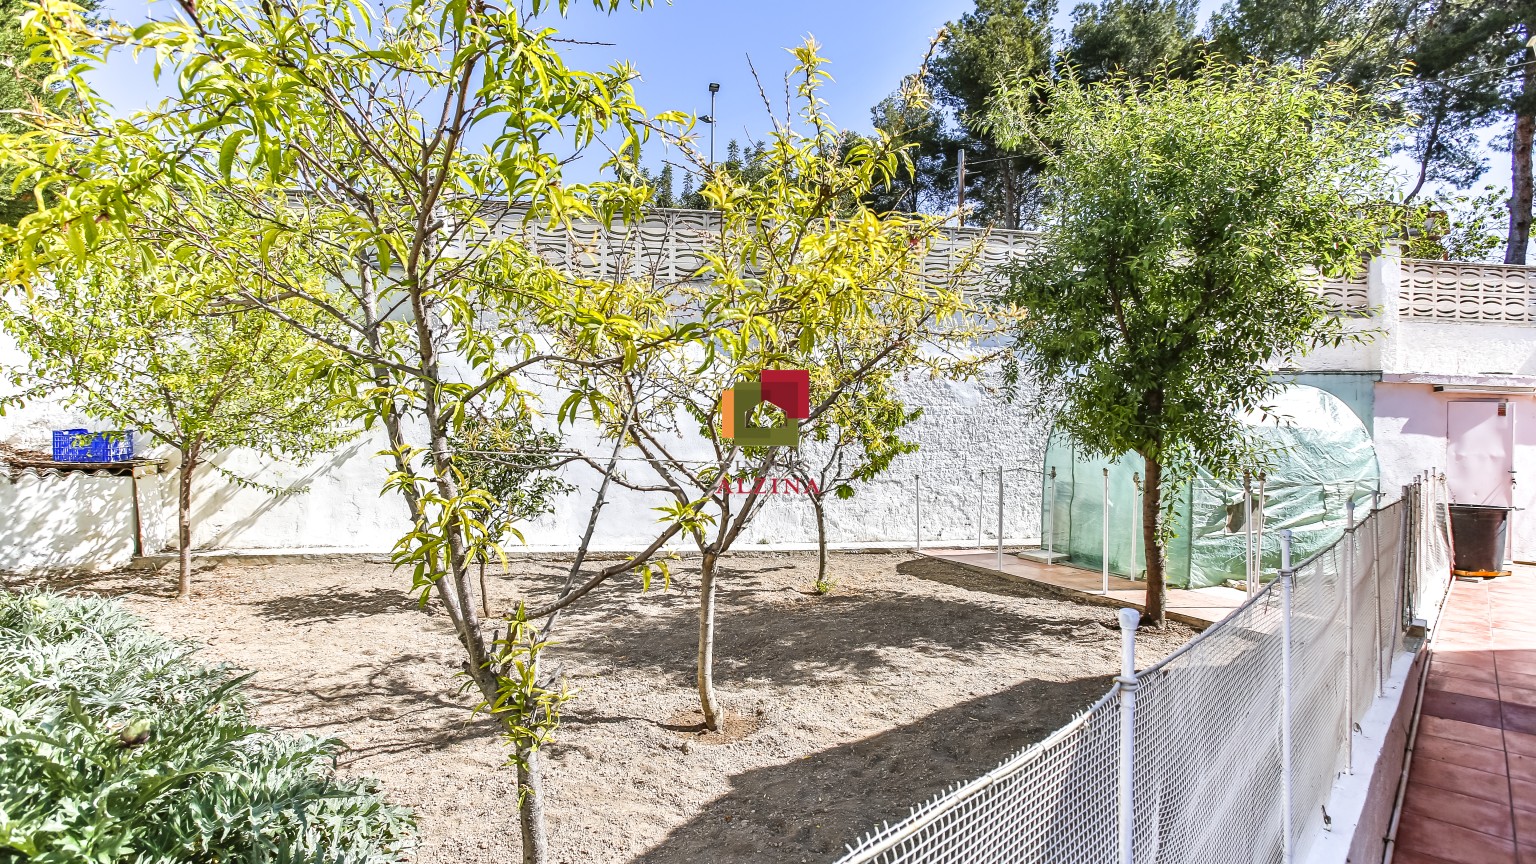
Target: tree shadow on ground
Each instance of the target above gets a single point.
(335, 604)
(116, 583)
(421, 713)
(811, 808)
(783, 637)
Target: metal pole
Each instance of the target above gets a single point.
(1129, 618)
(1050, 540)
(1106, 532)
(1400, 577)
(1349, 636)
(1287, 778)
(917, 510)
(1135, 508)
(999, 517)
(960, 189)
(1248, 533)
(1375, 558)
(1258, 535)
(713, 89)
(981, 503)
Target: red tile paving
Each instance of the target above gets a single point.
(1472, 787)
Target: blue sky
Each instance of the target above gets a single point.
(679, 48)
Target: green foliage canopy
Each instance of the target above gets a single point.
(1186, 222)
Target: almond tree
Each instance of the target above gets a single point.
(383, 141)
(140, 348)
(802, 275)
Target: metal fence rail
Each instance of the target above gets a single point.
(1226, 750)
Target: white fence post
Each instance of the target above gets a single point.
(981, 503)
(1050, 533)
(1349, 634)
(999, 517)
(1106, 532)
(1129, 618)
(1287, 778)
(917, 510)
(1248, 568)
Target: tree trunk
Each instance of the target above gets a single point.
(485, 596)
(1520, 169)
(708, 704)
(530, 809)
(189, 459)
(821, 544)
(1151, 536)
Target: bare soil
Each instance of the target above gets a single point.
(844, 710)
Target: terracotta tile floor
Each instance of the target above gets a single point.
(1472, 789)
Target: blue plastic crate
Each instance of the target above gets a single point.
(83, 445)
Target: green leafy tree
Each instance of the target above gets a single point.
(1469, 73)
(1364, 40)
(1000, 38)
(385, 142)
(804, 276)
(23, 93)
(1474, 225)
(152, 348)
(1188, 219)
(854, 442)
(1473, 63)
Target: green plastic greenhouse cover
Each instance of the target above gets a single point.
(1321, 456)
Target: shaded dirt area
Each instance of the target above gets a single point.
(848, 709)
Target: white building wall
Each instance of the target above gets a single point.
(1442, 332)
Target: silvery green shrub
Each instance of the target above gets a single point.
(117, 745)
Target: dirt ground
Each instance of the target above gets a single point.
(850, 708)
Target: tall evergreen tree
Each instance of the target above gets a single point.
(1136, 37)
(1000, 38)
(1470, 67)
(1476, 69)
(1366, 39)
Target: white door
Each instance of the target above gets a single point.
(1478, 435)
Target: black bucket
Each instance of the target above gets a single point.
(1479, 533)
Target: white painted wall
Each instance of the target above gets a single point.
(65, 522)
(1411, 440)
(334, 503)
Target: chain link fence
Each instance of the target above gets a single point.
(1225, 751)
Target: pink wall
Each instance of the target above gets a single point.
(1410, 432)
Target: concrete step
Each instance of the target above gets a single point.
(1040, 556)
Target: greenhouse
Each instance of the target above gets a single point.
(1319, 454)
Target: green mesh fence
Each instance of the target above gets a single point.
(1321, 457)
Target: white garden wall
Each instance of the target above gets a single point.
(334, 504)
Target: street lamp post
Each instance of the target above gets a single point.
(710, 119)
